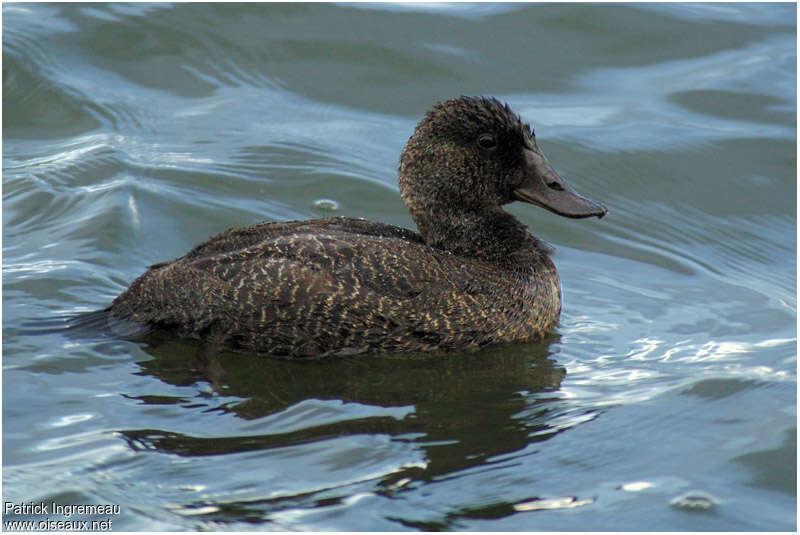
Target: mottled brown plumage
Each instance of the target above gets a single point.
(472, 275)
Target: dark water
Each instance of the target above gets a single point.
(132, 132)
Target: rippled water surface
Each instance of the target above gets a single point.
(666, 399)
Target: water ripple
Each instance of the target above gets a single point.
(134, 131)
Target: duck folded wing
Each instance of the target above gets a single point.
(336, 291)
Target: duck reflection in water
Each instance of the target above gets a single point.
(459, 409)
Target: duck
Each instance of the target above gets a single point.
(471, 275)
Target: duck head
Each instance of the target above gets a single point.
(471, 155)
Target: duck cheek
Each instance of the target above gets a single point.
(511, 184)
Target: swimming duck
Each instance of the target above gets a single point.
(471, 276)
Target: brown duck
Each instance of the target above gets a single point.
(471, 276)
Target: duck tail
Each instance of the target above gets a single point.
(95, 324)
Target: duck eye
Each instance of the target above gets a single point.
(486, 141)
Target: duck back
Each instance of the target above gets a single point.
(340, 286)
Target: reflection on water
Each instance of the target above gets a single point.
(496, 384)
(132, 132)
(459, 411)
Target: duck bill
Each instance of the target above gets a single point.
(543, 186)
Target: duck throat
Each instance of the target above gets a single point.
(492, 234)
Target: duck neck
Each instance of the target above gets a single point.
(489, 234)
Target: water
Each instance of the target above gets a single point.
(133, 132)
